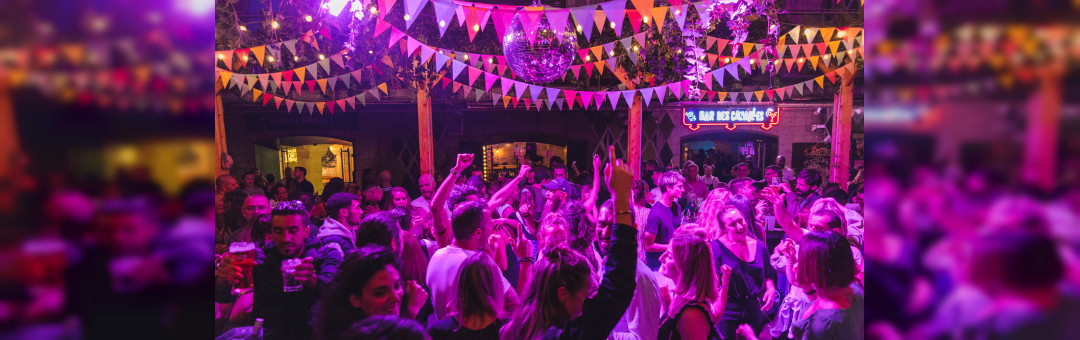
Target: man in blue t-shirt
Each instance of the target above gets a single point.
(663, 217)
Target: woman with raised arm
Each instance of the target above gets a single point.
(557, 303)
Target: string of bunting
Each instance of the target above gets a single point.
(311, 106)
(591, 99)
(476, 16)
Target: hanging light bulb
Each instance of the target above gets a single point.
(245, 58)
(295, 58)
(612, 25)
(727, 60)
(823, 57)
(321, 57)
(588, 58)
(476, 27)
(635, 48)
(274, 24)
(270, 58)
(407, 17)
(839, 34)
(221, 56)
(801, 59)
(751, 61)
(677, 12)
(243, 28)
(645, 20)
(307, 18)
(373, 10)
(491, 60)
(442, 23)
(466, 56)
(579, 28)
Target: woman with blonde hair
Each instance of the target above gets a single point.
(709, 218)
(696, 302)
(476, 309)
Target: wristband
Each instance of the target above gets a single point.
(529, 259)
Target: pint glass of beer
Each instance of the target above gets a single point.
(243, 254)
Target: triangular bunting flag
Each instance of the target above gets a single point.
(529, 20)
(820, 81)
(646, 95)
(826, 33)
(259, 52)
(277, 102)
(794, 34)
(457, 66)
(679, 13)
(584, 17)
(628, 97)
(659, 14)
(325, 64)
(322, 84)
(758, 94)
(255, 93)
(613, 98)
(599, 99)
(299, 73)
(551, 93)
(413, 8)
(311, 86)
(557, 20)
(676, 89)
(813, 61)
(288, 105)
(661, 93)
(425, 54)
(444, 12)
(811, 33)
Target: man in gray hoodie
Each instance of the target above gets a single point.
(339, 229)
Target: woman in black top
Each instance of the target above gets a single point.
(477, 304)
(752, 290)
(696, 302)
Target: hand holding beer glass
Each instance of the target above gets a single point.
(236, 267)
(304, 273)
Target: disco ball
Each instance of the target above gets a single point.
(544, 59)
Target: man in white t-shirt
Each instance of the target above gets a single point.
(471, 224)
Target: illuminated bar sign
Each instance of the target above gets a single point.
(730, 117)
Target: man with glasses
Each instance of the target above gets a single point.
(285, 314)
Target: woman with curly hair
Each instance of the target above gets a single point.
(709, 218)
(696, 304)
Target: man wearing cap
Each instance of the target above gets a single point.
(555, 193)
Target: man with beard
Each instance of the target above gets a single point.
(302, 184)
(339, 230)
(556, 193)
(805, 192)
(285, 314)
(372, 194)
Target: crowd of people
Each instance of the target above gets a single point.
(551, 252)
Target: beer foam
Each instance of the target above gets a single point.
(237, 247)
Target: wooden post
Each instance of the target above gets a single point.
(1044, 117)
(9, 135)
(220, 146)
(841, 133)
(423, 112)
(633, 148)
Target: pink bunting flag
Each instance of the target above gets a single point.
(661, 93)
(676, 88)
(444, 13)
(646, 95)
(473, 74)
(489, 80)
(599, 99)
(529, 21)
(395, 36)
(501, 19)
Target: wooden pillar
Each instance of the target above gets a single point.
(220, 146)
(633, 148)
(841, 133)
(423, 112)
(9, 135)
(1043, 110)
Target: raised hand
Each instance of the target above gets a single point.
(596, 161)
(417, 296)
(617, 175)
(525, 168)
(464, 160)
(726, 271)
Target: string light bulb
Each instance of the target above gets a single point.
(839, 34)
(295, 58)
(374, 10)
(221, 56)
(588, 58)
(307, 18)
(407, 17)
(677, 12)
(442, 23)
(274, 24)
(476, 27)
(823, 56)
(635, 48)
(612, 25)
(645, 20)
(243, 28)
(751, 61)
(245, 58)
(491, 60)
(727, 60)
(270, 58)
(579, 28)
(321, 57)
(466, 56)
